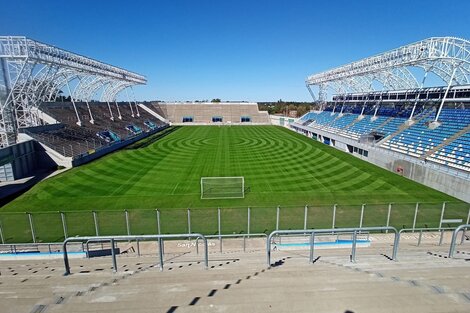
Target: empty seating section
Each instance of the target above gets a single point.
(108, 136)
(323, 118)
(347, 125)
(365, 126)
(419, 138)
(391, 126)
(343, 121)
(357, 110)
(111, 123)
(69, 140)
(405, 112)
(460, 117)
(387, 111)
(370, 110)
(456, 154)
(448, 144)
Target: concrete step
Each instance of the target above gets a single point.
(263, 301)
(240, 282)
(322, 307)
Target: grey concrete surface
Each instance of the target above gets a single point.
(423, 280)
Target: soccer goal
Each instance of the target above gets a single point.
(222, 187)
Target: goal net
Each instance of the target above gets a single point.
(222, 187)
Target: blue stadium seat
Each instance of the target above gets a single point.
(419, 138)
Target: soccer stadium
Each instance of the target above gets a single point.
(114, 204)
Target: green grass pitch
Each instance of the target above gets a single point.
(279, 166)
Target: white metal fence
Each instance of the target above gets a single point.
(56, 226)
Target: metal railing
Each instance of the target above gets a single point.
(13, 225)
(220, 237)
(366, 234)
(25, 248)
(312, 232)
(421, 230)
(454, 238)
(113, 239)
(87, 245)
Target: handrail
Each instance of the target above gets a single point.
(13, 247)
(421, 230)
(454, 238)
(93, 240)
(337, 235)
(312, 233)
(112, 239)
(405, 230)
(231, 236)
(30, 244)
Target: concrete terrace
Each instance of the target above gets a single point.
(423, 280)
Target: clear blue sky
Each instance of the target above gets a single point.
(233, 50)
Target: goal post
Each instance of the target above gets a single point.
(222, 187)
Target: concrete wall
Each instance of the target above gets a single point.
(18, 161)
(448, 183)
(202, 113)
(444, 179)
(279, 120)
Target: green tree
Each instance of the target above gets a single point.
(302, 109)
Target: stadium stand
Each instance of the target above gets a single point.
(111, 123)
(209, 113)
(414, 120)
(419, 138)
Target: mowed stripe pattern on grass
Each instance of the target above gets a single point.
(279, 166)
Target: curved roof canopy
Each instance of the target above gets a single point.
(446, 57)
(32, 72)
